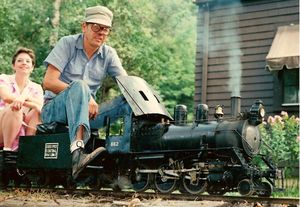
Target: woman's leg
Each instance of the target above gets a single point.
(10, 124)
(1, 133)
(32, 119)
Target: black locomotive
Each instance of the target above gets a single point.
(144, 148)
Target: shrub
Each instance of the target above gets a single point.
(280, 135)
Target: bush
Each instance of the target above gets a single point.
(280, 135)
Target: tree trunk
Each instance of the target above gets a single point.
(55, 22)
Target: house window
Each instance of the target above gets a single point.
(290, 86)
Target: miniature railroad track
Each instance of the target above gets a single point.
(188, 197)
(173, 196)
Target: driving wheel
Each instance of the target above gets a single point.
(193, 184)
(140, 181)
(164, 182)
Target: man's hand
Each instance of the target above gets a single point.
(93, 108)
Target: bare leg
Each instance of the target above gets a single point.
(2, 112)
(10, 124)
(32, 119)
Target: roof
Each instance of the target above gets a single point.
(142, 99)
(284, 51)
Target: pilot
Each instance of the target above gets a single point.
(76, 68)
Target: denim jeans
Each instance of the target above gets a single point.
(70, 107)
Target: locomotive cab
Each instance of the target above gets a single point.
(125, 113)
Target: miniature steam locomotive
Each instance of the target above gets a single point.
(147, 149)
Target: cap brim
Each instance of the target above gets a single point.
(100, 21)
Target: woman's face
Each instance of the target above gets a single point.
(23, 64)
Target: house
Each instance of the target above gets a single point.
(248, 49)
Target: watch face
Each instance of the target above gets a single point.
(79, 143)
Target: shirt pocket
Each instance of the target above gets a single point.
(73, 72)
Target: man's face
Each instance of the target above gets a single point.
(95, 34)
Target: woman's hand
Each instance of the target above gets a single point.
(17, 104)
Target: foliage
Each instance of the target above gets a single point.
(24, 23)
(281, 137)
(287, 193)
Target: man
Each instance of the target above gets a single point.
(76, 68)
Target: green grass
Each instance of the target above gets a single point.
(289, 192)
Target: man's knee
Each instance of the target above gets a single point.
(79, 86)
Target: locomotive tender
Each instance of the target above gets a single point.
(147, 149)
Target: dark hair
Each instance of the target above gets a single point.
(24, 50)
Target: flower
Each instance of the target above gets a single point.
(271, 120)
(284, 114)
(278, 119)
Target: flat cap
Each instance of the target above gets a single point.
(99, 14)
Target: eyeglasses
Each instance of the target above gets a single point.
(98, 28)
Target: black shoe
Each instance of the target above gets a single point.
(81, 160)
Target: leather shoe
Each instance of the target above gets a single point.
(80, 160)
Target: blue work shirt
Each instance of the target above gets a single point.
(69, 57)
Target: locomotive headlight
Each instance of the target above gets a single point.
(257, 113)
(262, 112)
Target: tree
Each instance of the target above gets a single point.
(24, 23)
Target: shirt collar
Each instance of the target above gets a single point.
(14, 83)
(79, 45)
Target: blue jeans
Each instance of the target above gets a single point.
(70, 107)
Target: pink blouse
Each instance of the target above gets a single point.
(32, 89)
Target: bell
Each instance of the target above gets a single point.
(219, 110)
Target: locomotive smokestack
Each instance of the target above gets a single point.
(235, 106)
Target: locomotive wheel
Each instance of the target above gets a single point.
(163, 184)
(193, 187)
(69, 183)
(96, 184)
(245, 187)
(140, 181)
(40, 179)
(267, 190)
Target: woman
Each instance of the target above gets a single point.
(21, 101)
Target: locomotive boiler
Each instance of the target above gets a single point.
(147, 149)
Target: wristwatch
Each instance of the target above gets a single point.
(79, 143)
